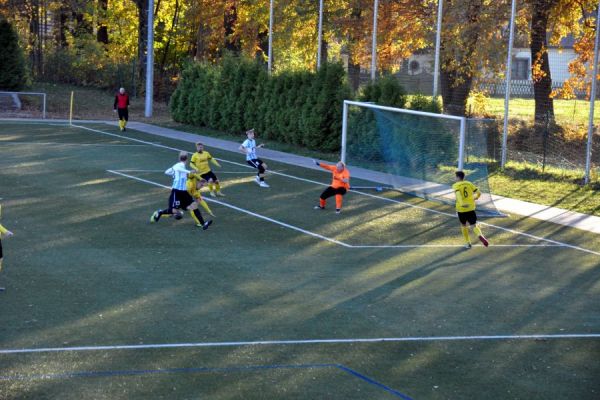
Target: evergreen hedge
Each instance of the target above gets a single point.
(303, 108)
(12, 66)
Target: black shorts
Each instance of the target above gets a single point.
(180, 199)
(330, 191)
(0, 248)
(468, 216)
(123, 113)
(209, 176)
(255, 163)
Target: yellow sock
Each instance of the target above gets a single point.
(218, 186)
(477, 230)
(194, 216)
(465, 232)
(124, 123)
(121, 124)
(206, 207)
(211, 186)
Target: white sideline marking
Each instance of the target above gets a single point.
(303, 342)
(339, 242)
(555, 242)
(70, 144)
(241, 210)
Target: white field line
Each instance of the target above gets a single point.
(303, 342)
(242, 210)
(555, 242)
(316, 235)
(70, 144)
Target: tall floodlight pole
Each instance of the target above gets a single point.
(374, 44)
(150, 61)
(320, 35)
(588, 156)
(511, 39)
(270, 62)
(438, 41)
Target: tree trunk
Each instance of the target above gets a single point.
(232, 43)
(102, 33)
(142, 6)
(455, 83)
(542, 79)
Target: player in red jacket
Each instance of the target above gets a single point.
(121, 107)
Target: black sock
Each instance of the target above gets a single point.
(199, 216)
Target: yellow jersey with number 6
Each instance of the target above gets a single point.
(466, 194)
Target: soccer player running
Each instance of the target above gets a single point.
(339, 185)
(3, 232)
(248, 147)
(180, 198)
(121, 107)
(466, 194)
(200, 164)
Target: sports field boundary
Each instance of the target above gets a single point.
(564, 336)
(559, 216)
(158, 145)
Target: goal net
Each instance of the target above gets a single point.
(22, 105)
(416, 152)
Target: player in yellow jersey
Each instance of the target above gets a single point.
(3, 232)
(200, 164)
(193, 185)
(466, 193)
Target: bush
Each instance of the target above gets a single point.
(419, 102)
(294, 107)
(386, 91)
(12, 67)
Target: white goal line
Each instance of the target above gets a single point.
(554, 242)
(304, 342)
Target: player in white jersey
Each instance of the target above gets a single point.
(180, 198)
(248, 147)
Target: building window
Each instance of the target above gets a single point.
(520, 69)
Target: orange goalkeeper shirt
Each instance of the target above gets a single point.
(337, 182)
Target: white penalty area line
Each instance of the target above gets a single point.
(316, 235)
(313, 234)
(555, 243)
(423, 339)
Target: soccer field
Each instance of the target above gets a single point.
(276, 300)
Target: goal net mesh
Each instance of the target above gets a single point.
(418, 154)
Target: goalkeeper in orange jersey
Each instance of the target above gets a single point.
(3, 232)
(339, 185)
(466, 193)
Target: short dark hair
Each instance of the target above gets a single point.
(460, 175)
(183, 156)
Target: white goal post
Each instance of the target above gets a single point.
(17, 101)
(462, 120)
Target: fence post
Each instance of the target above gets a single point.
(588, 156)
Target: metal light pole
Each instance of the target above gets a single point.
(320, 34)
(588, 156)
(438, 40)
(150, 61)
(270, 62)
(511, 39)
(374, 44)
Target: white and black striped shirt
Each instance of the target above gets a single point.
(179, 174)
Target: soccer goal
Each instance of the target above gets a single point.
(415, 152)
(22, 105)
